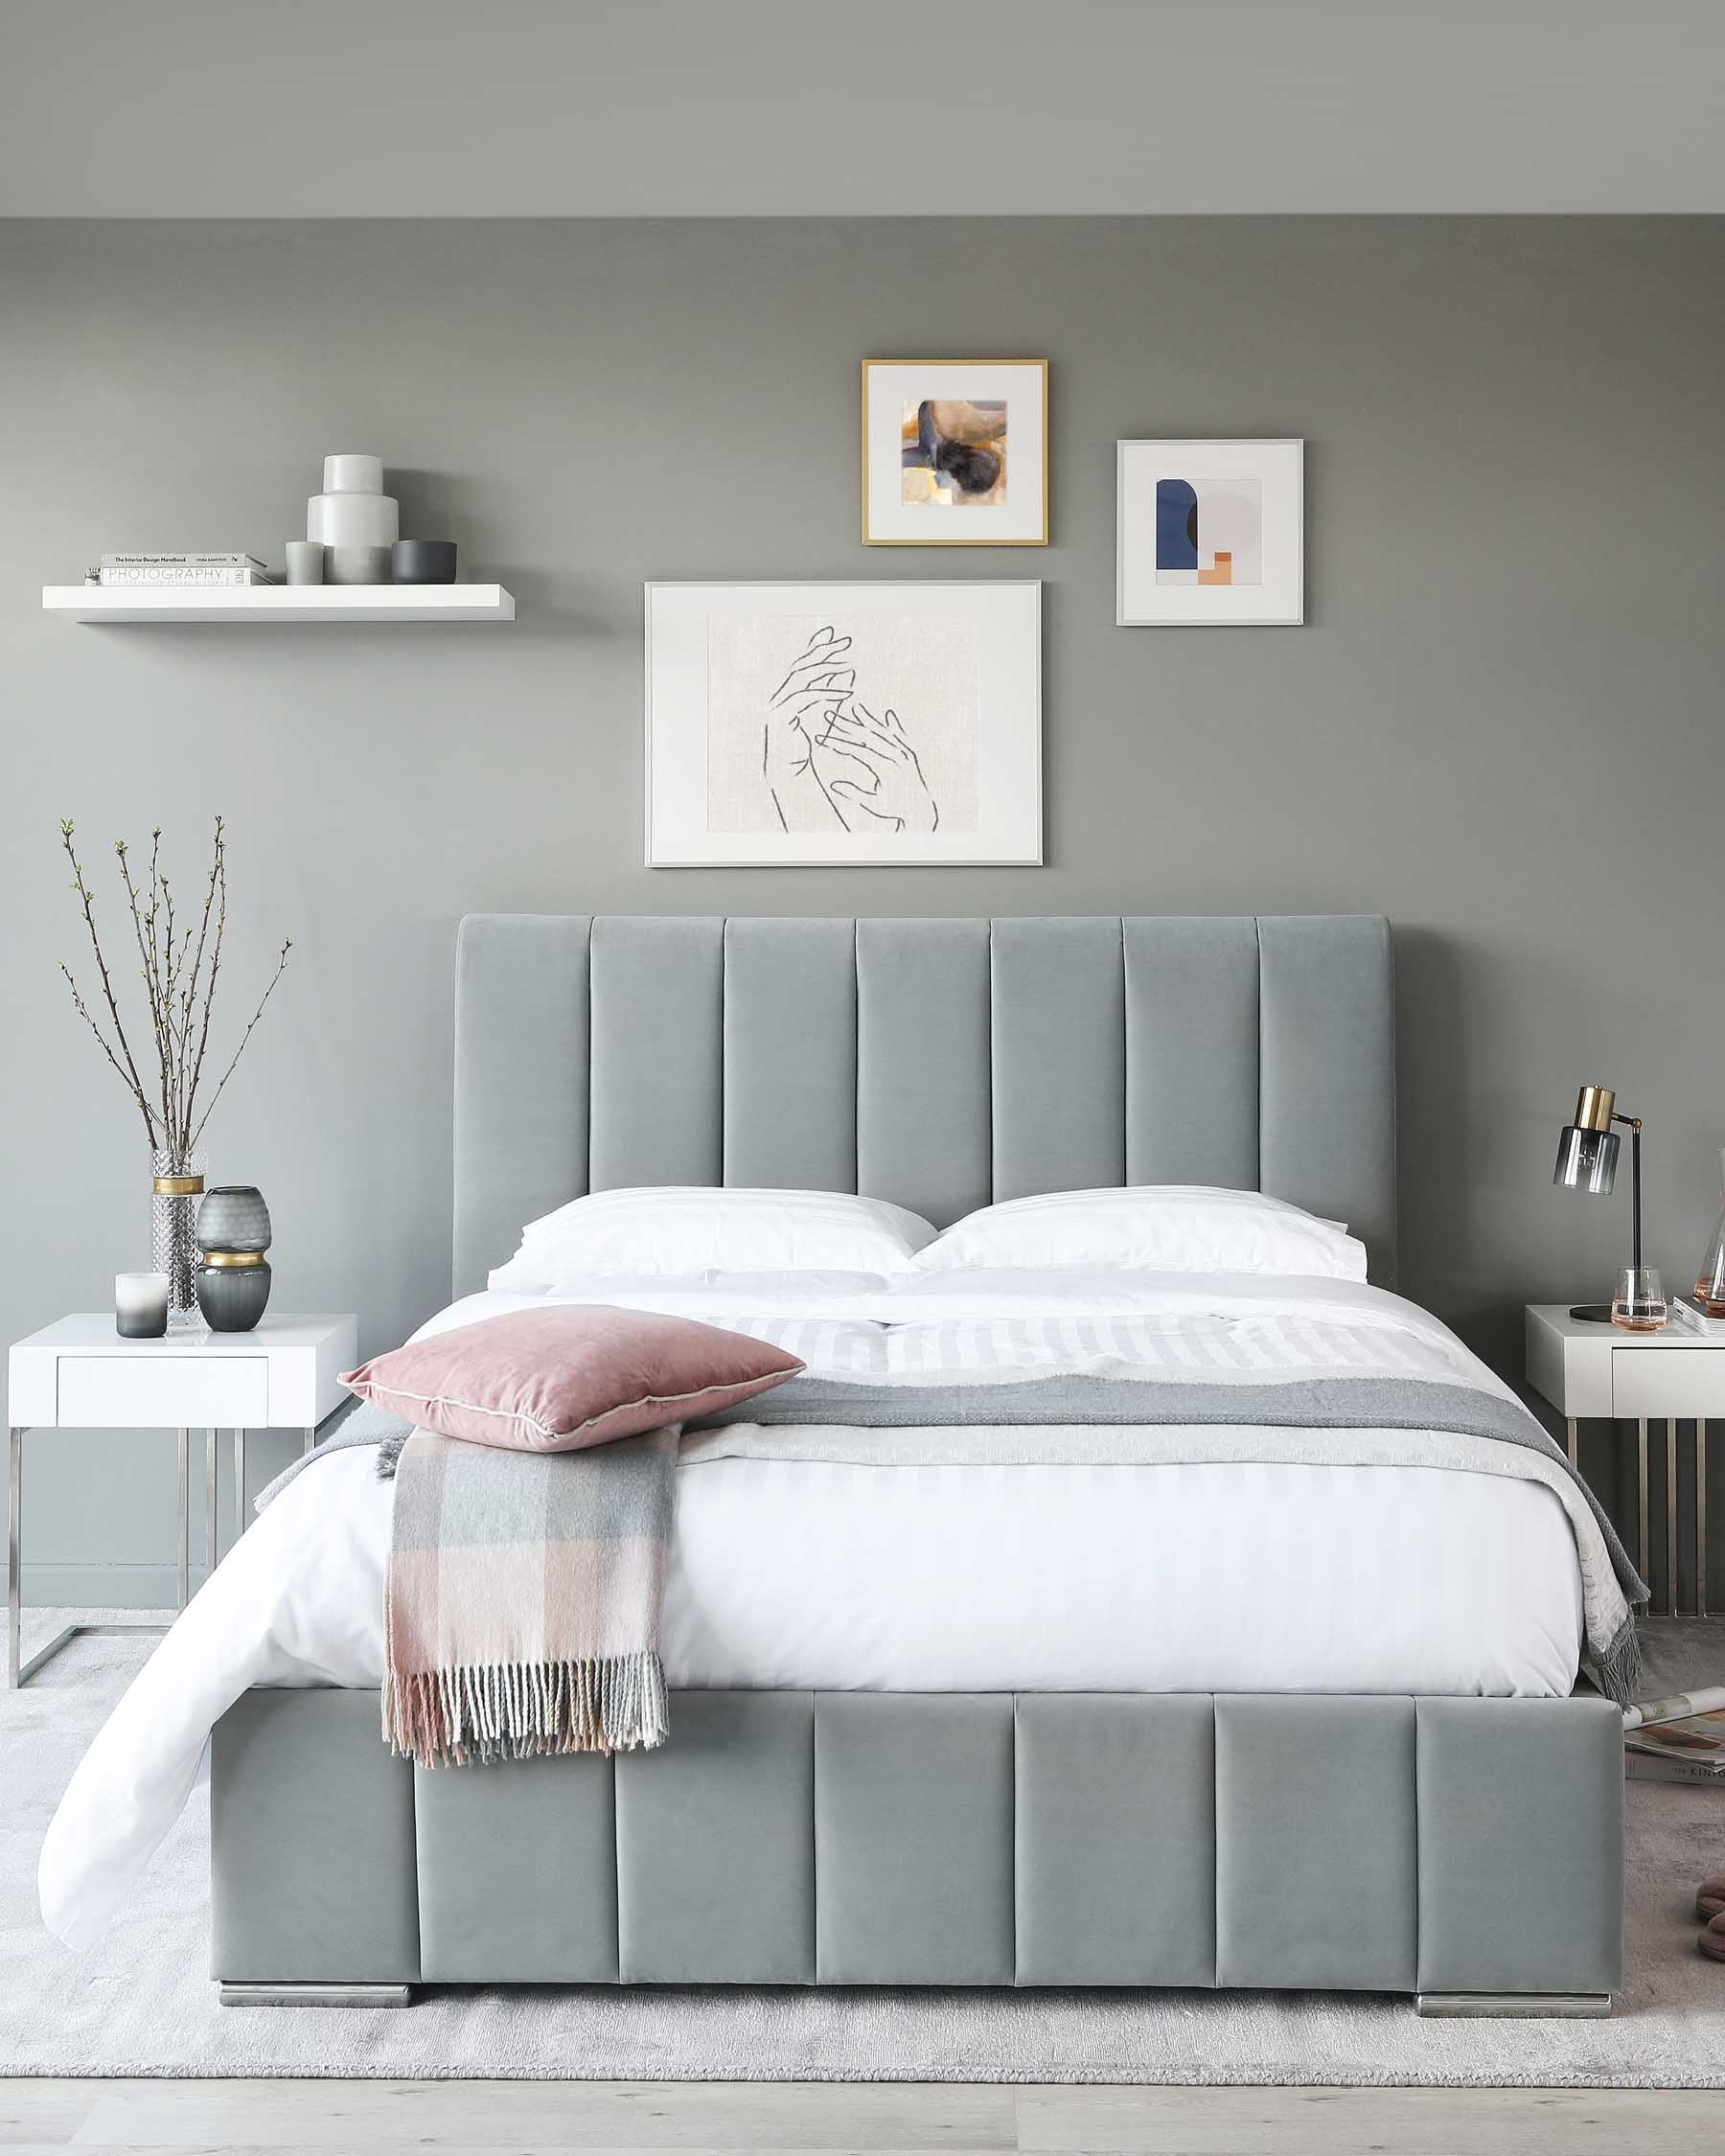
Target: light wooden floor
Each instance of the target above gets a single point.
(519, 2118)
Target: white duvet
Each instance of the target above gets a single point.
(811, 1572)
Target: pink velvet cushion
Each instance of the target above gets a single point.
(553, 1381)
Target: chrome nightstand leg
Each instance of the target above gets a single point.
(239, 1483)
(1570, 1440)
(1700, 1514)
(1643, 1537)
(1672, 1594)
(210, 1438)
(18, 1672)
(15, 1533)
(183, 1566)
(311, 1439)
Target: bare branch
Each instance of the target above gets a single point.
(161, 952)
(161, 902)
(101, 1042)
(143, 919)
(216, 895)
(189, 1069)
(180, 968)
(83, 889)
(281, 967)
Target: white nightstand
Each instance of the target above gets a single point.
(1590, 1371)
(80, 1374)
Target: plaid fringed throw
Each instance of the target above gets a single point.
(522, 1604)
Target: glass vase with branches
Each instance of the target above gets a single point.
(171, 1074)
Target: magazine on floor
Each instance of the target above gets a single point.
(1690, 1750)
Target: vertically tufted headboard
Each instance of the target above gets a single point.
(939, 1063)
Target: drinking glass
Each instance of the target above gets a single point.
(1710, 1281)
(1638, 1303)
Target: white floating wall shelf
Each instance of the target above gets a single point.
(280, 603)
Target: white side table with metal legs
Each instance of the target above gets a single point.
(78, 1375)
(1590, 1372)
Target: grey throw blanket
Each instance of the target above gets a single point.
(972, 1414)
(362, 1424)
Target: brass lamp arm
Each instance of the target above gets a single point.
(1634, 1123)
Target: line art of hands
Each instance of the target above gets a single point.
(820, 746)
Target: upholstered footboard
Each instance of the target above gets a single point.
(1467, 1851)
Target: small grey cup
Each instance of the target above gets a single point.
(305, 562)
(356, 564)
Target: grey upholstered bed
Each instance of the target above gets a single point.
(1467, 1851)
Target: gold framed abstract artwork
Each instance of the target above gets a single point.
(954, 452)
(1211, 535)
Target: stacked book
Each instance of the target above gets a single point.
(180, 569)
(1688, 1312)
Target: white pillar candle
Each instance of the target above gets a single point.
(140, 1305)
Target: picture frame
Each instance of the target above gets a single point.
(1178, 502)
(841, 725)
(954, 452)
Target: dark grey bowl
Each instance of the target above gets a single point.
(233, 1217)
(232, 1297)
(423, 561)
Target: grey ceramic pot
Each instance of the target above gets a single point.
(233, 1296)
(233, 1217)
(423, 561)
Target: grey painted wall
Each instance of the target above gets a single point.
(1500, 726)
(778, 108)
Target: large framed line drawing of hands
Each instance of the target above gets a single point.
(839, 724)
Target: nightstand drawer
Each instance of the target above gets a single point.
(163, 1391)
(1687, 1381)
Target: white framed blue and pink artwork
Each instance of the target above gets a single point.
(1210, 534)
(838, 724)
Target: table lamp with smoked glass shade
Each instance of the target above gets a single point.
(1587, 1158)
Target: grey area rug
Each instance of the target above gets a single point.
(142, 2003)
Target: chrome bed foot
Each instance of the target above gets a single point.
(315, 1994)
(1513, 2006)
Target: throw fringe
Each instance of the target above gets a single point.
(1618, 1667)
(525, 1711)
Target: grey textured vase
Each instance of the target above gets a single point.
(232, 1297)
(233, 1217)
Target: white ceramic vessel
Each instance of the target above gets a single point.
(353, 518)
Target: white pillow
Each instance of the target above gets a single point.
(1156, 1228)
(669, 1228)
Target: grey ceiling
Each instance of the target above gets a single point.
(881, 107)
